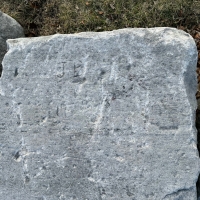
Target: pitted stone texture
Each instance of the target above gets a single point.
(9, 29)
(97, 116)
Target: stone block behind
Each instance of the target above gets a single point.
(9, 29)
(98, 116)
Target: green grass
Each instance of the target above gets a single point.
(46, 17)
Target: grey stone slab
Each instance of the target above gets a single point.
(98, 116)
(9, 29)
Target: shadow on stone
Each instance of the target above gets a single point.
(1, 69)
(198, 147)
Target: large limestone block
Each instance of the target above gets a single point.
(98, 116)
(9, 29)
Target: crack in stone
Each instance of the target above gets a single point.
(177, 193)
(24, 154)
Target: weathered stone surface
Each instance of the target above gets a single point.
(99, 116)
(9, 29)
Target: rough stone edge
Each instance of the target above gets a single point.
(21, 43)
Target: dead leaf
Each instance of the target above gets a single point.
(198, 95)
(198, 70)
(181, 28)
(197, 35)
(198, 45)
